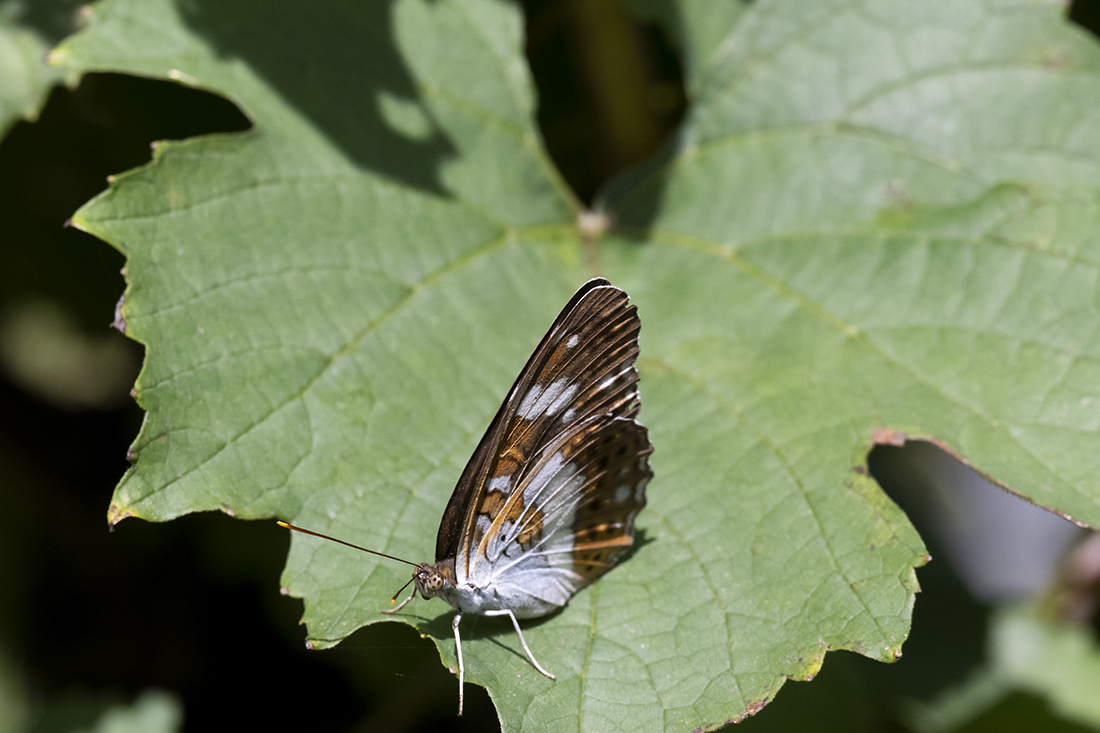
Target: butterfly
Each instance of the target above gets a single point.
(547, 502)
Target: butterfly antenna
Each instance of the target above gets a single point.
(348, 544)
(395, 595)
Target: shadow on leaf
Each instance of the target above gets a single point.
(339, 66)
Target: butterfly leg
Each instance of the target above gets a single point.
(509, 614)
(461, 668)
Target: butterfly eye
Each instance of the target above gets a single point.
(430, 581)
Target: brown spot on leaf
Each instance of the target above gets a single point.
(753, 708)
(888, 436)
(1055, 60)
(116, 514)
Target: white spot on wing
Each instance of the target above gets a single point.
(573, 341)
(549, 401)
(614, 378)
(530, 400)
(562, 399)
(500, 483)
(622, 494)
(554, 463)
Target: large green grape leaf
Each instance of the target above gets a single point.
(876, 223)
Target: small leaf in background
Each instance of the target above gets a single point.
(155, 711)
(1028, 654)
(27, 32)
(44, 351)
(1061, 663)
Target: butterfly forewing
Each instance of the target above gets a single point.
(472, 479)
(582, 373)
(580, 495)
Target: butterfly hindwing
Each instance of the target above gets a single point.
(580, 495)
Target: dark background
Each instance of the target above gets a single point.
(192, 606)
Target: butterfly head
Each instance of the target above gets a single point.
(432, 580)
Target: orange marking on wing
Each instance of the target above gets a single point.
(515, 508)
(509, 462)
(532, 528)
(620, 541)
(531, 522)
(606, 528)
(512, 511)
(492, 504)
